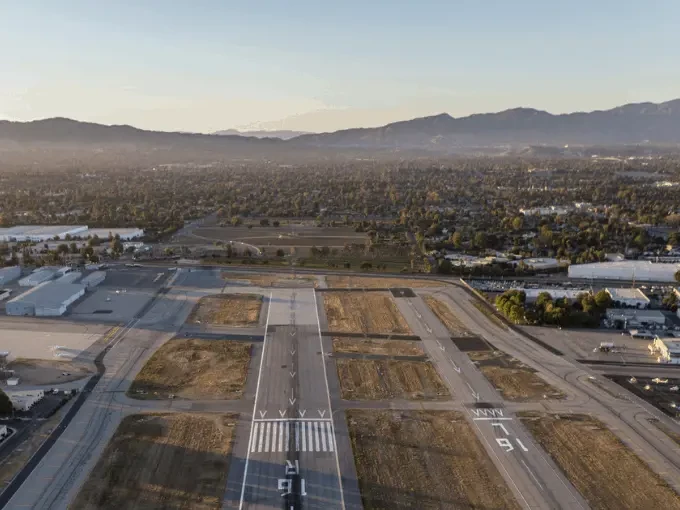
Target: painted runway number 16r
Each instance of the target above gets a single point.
(504, 442)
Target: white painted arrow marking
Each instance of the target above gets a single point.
(292, 401)
(292, 353)
(302, 413)
(455, 367)
(418, 315)
(262, 414)
(292, 333)
(292, 374)
(475, 395)
(282, 413)
(428, 328)
(322, 413)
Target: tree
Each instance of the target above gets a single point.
(457, 239)
(280, 252)
(5, 403)
(480, 240)
(117, 246)
(276, 223)
(62, 248)
(264, 222)
(603, 300)
(677, 276)
(73, 247)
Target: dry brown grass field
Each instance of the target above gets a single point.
(363, 312)
(241, 310)
(194, 369)
(270, 280)
(604, 470)
(446, 316)
(362, 379)
(515, 381)
(162, 461)
(378, 346)
(408, 460)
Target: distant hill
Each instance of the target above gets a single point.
(512, 131)
(629, 124)
(283, 134)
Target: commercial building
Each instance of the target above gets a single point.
(24, 400)
(37, 277)
(46, 299)
(638, 319)
(9, 274)
(70, 277)
(638, 270)
(4, 294)
(667, 350)
(93, 279)
(532, 294)
(43, 233)
(40, 233)
(632, 298)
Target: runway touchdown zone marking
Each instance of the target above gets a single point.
(274, 436)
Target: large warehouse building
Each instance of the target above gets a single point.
(45, 300)
(638, 270)
(93, 279)
(9, 274)
(43, 233)
(37, 277)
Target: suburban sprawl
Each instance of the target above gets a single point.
(211, 322)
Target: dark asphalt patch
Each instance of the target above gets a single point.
(471, 343)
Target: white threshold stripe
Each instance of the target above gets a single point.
(491, 419)
(291, 419)
(269, 437)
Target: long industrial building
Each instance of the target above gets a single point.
(93, 279)
(42, 233)
(47, 299)
(37, 277)
(9, 274)
(638, 270)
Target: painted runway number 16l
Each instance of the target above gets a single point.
(504, 442)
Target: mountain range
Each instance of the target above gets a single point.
(640, 123)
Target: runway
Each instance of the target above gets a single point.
(291, 446)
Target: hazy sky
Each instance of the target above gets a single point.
(322, 65)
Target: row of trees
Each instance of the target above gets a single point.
(585, 311)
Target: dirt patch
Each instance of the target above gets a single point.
(40, 371)
(423, 459)
(241, 310)
(606, 473)
(516, 381)
(389, 379)
(194, 369)
(271, 280)
(375, 346)
(446, 316)
(159, 461)
(359, 312)
(366, 282)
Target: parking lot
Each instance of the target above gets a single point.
(47, 339)
(580, 344)
(111, 304)
(136, 278)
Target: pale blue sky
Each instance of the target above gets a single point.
(320, 65)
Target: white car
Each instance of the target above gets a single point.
(658, 380)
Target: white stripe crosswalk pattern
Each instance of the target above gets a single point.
(307, 436)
